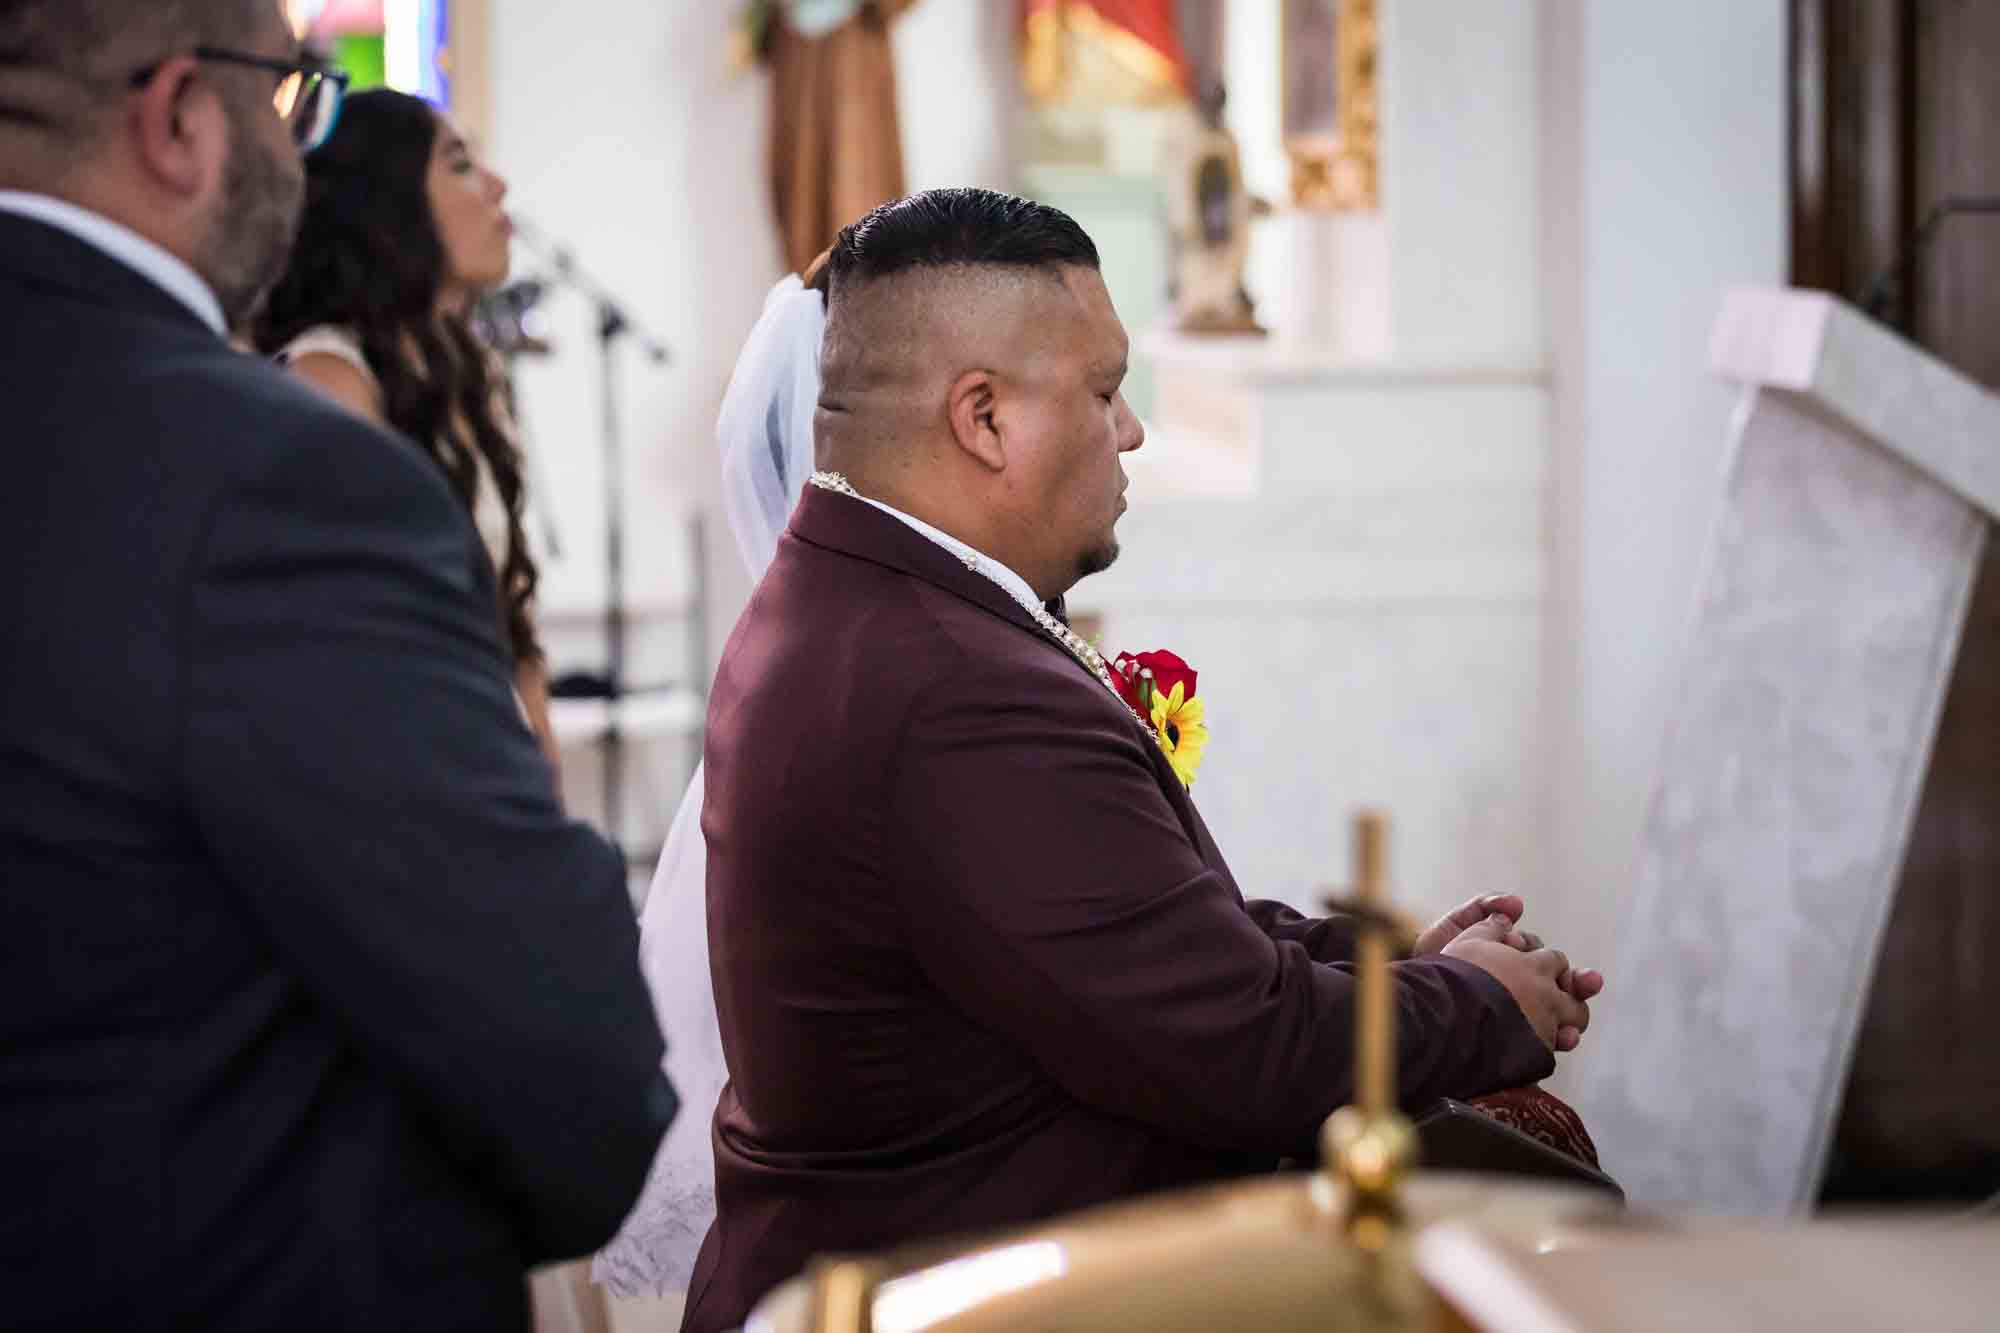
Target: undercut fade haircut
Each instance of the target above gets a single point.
(97, 43)
(956, 228)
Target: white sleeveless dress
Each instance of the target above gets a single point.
(489, 511)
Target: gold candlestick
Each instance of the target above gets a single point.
(1368, 1143)
(1375, 1051)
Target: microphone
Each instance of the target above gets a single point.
(551, 250)
(508, 321)
(612, 317)
(1891, 283)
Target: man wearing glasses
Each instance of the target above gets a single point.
(314, 1010)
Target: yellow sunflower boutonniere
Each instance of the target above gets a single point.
(1160, 690)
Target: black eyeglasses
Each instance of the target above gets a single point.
(307, 98)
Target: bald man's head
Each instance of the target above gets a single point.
(63, 62)
(970, 375)
(158, 114)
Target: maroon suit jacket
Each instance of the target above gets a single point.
(977, 960)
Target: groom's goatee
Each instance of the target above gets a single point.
(1097, 560)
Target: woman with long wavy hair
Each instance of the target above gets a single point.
(403, 230)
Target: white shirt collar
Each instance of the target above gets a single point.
(1011, 583)
(126, 246)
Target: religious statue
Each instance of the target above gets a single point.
(833, 144)
(1209, 212)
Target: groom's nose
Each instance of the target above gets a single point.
(1131, 430)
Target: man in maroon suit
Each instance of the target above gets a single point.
(976, 958)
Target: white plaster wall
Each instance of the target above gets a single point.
(1255, 112)
(1447, 273)
(1459, 183)
(628, 137)
(624, 133)
(1366, 625)
(957, 93)
(1368, 617)
(1649, 175)
(1663, 183)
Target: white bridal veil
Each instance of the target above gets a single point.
(765, 432)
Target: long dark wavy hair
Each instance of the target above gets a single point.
(369, 260)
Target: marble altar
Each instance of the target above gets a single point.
(1862, 478)
(1351, 554)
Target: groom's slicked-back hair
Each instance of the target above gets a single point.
(955, 228)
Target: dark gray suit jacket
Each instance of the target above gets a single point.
(315, 1012)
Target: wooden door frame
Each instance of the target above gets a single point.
(1851, 133)
(470, 48)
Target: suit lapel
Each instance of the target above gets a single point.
(854, 527)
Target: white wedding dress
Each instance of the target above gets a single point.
(765, 432)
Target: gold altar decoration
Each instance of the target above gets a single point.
(1335, 167)
(1370, 1144)
(1099, 53)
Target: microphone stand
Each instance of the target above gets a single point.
(1892, 284)
(613, 322)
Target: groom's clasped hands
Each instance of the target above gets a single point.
(1553, 996)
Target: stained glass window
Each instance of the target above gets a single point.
(394, 43)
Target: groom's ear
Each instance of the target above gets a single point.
(971, 408)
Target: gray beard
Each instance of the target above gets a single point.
(251, 242)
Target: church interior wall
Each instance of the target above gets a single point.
(1434, 543)
(625, 138)
(1363, 585)
(1580, 220)
(629, 139)
(1458, 168)
(1664, 185)
(957, 93)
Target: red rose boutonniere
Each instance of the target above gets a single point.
(1159, 688)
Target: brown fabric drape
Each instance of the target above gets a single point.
(836, 144)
